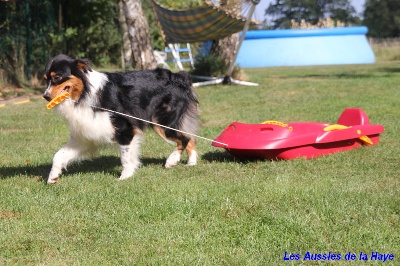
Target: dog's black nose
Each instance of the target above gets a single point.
(47, 97)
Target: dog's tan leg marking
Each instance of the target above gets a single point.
(175, 156)
(191, 152)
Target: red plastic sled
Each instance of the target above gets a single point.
(276, 140)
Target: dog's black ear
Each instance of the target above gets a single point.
(83, 65)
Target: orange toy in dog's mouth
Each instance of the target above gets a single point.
(58, 100)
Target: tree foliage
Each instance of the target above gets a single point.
(23, 37)
(89, 29)
(32, 31)
(382, 18)
(283, 11)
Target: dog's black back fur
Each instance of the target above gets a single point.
(154, 95)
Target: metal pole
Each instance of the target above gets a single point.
(246, 27)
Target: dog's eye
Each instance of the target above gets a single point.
(56, 78)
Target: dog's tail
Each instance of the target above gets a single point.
(188, 111)
(183, 80)
(190, 119)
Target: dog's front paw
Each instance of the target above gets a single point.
(52, 181)
(126, 174)
(129, 171)
(53, 176)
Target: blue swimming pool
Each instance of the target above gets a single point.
(303, 47)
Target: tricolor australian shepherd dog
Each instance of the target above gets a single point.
(159, 96)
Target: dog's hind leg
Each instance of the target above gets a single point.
(182, 143)
(130, 157)
(191, 152)
(73, 150)
(175, 156)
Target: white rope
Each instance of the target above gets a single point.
(153, 123)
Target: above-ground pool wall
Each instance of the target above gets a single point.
(305, 47)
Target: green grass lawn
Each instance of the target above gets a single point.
(223, 211)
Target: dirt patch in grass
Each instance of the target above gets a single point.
(8, 215)
(20, 99)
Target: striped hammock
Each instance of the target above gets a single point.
(198, 24)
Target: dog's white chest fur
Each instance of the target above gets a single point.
(83, 121)
(89, 125)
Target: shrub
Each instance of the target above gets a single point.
(322, 23)
(214, 66)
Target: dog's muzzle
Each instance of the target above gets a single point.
(47, 96)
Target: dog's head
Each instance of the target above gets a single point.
(63, 73)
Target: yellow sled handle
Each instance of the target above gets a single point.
(277, 123)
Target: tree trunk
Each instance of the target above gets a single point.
(226, 47)
(139, 35)
(126, 60)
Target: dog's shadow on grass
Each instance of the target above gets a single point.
(104, 164)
